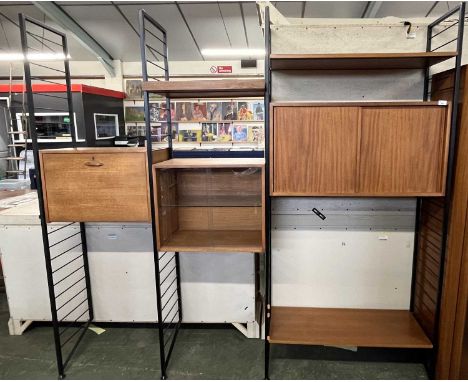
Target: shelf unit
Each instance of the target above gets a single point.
(200, 204)
(210, 205)
(354, 327)
(361, 61)
(207, 88)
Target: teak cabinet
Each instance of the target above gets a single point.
(209, 204)
(96, 184)
(359, 149)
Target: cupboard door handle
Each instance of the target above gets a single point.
(94, 163)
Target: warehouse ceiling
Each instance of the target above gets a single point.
(192, 26)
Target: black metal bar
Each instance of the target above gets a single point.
(170, 297)
(165, 266)
(45, 238)
(173, 332)
(48, 81)
(162, 256)
(70, 324)
(450, 171)
(168, 288)
(64, 252)
(61, 241)
(427, 70)
(71, 299)
(156, 37)
(86, 270)
(71, 286)
(443, 30)
(153, 63)
(170, 310)
(68, 314)
(179, 295)
(47, 67)
(415, 251)
(441, 46)
(153, 50)
(267, 192)
(176, 331)
(67, 276)
(73, 335)
(167, 276)
(72, 351)
(43, 38)
(445, 16)
(142, 15)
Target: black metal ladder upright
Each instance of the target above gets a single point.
(154, 52)
(65, 248)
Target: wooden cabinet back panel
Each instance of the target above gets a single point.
(315, 150)
(402, 150)
(116, 191)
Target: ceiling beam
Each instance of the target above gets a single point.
(189, 30)
(371, 9)
(243, 23)
(62, 18)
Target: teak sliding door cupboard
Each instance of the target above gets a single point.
(359, 149)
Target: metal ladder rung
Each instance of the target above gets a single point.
(16, 132)
(16, 171)
(16, 145)
(12, 158)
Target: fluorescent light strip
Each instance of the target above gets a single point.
(233, 52)
(32, 56)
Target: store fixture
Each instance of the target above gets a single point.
(362, 149)
(74, 186)
(98, 113)
(200, 205)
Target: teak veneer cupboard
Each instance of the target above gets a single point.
(97, 184)
(359, 148)
(210, 205)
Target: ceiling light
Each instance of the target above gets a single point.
(233, 52)
(32, 56)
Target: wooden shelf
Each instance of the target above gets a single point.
(207, 88)
(211, 163)
(345, 61)
(346, 327)
(231, 200)
(214, 241)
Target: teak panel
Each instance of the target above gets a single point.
(207, 88)
(315, 150)
(359, 148)
(360, 61)
(95, 186)
(403, 150)
(346, 327)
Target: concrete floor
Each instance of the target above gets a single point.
(200, 353)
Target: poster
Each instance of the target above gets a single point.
(214, 111)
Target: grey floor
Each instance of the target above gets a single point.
(200, 353)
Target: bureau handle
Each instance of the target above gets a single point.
(94, 163)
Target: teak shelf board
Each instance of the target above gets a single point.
(207, 88)
(211, 163)
(346, 327)
(343, 61)
(233, 200)
(214, 241)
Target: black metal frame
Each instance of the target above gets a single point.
(460, 10)
(49, 234)
(267, 190)
(166, 274)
